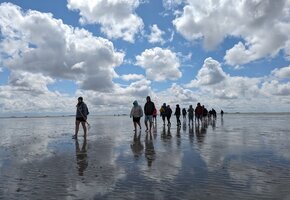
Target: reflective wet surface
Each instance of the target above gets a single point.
(239, 156)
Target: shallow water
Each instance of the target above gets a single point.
(239, 156)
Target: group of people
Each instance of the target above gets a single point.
(200, 113)
(150, 112)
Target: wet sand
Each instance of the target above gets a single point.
(239, 156)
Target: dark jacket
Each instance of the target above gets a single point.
(177, 111)
(184, 112)
(198, 111)
(149, 108)
(190, 111)
(168, 112)
(82, 110)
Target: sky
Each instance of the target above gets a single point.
(232, 55)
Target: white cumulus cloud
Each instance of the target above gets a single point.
(274, 87)
(210, 73)
(211, 79)
(129, 77)
(156, 35)
(37, 43)
(159, 64)
(283, 72)
(116, 17)
(262, 26)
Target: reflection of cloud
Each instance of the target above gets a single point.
(255, 174)
(230, 142)
(167, 163)
(41, 158)
(29, 139)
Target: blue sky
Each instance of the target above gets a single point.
(226, 54)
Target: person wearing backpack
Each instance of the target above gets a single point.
(168, 113)
(162, 112)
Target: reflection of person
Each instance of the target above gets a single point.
(200, 132)
(178, 131)
(148, 110)
(82, 157)
(136, 113)
(81, 117)
(137, 147)
(168, 132)
(163, 135)
(149, 149)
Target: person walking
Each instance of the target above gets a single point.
(190, 114)
(149, 110)
(184, 113)
(82, 113)
(177, 113)
(136, 113)
(168, 113)
(162, 112)
(198, 113)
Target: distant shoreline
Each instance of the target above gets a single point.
(120, 115)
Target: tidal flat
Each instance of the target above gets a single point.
(237, 156)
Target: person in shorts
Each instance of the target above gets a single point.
(149, 110)
(136, 113)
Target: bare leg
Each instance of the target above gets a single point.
(139, 124)
(85, 128)
(146, 124)
(77, 126)
(135, 126)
